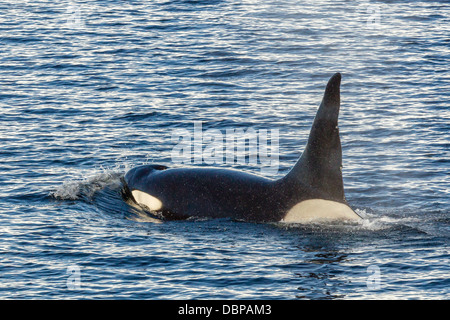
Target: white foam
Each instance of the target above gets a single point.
(380, 221)
(87, 186)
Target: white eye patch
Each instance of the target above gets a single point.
(147, 200)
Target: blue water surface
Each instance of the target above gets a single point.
(89, 89)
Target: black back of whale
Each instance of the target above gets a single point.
(216, 192)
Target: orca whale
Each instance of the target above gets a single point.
(312, 190)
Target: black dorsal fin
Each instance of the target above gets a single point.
(320, 166)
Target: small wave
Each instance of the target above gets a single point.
(377, 222)
(88, 186)
(143, 218)
(370, 221)
(130, 116)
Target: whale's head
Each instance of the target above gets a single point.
(136, 188)
(139, 174)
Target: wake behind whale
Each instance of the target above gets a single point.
(312, 190)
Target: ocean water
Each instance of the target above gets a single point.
(90, 89)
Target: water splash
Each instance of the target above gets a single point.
(370, 222)
(86, 187)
